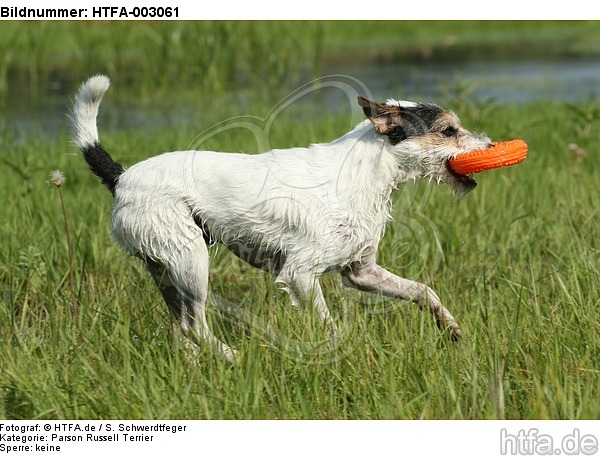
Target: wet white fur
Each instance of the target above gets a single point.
(324, 207)
(401, 103)
(85, 110)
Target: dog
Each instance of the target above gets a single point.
(296, 213)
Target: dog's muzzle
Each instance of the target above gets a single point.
(461, 184)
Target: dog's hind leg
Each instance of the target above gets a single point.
(183, 282)
(375, 279)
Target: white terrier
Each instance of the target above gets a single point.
(295, 212)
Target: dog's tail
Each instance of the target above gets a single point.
(83, 121)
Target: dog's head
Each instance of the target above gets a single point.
(423, 137)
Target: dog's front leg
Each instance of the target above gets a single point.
(305, 288)
(375, 279)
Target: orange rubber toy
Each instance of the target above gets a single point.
(505, 153)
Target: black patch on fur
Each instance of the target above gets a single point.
(424, 114)
(102, 165)
(396, 135)
(417, 121)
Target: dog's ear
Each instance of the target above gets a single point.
(384, 118)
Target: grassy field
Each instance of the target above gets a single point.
(516, 261)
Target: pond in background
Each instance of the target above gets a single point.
(498, 81)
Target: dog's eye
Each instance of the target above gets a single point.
(449, 132)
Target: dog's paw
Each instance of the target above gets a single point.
(230, 355)
(455, 332)
(451, 328)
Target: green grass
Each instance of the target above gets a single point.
(516, 262)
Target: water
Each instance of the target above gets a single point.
(500, 81)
